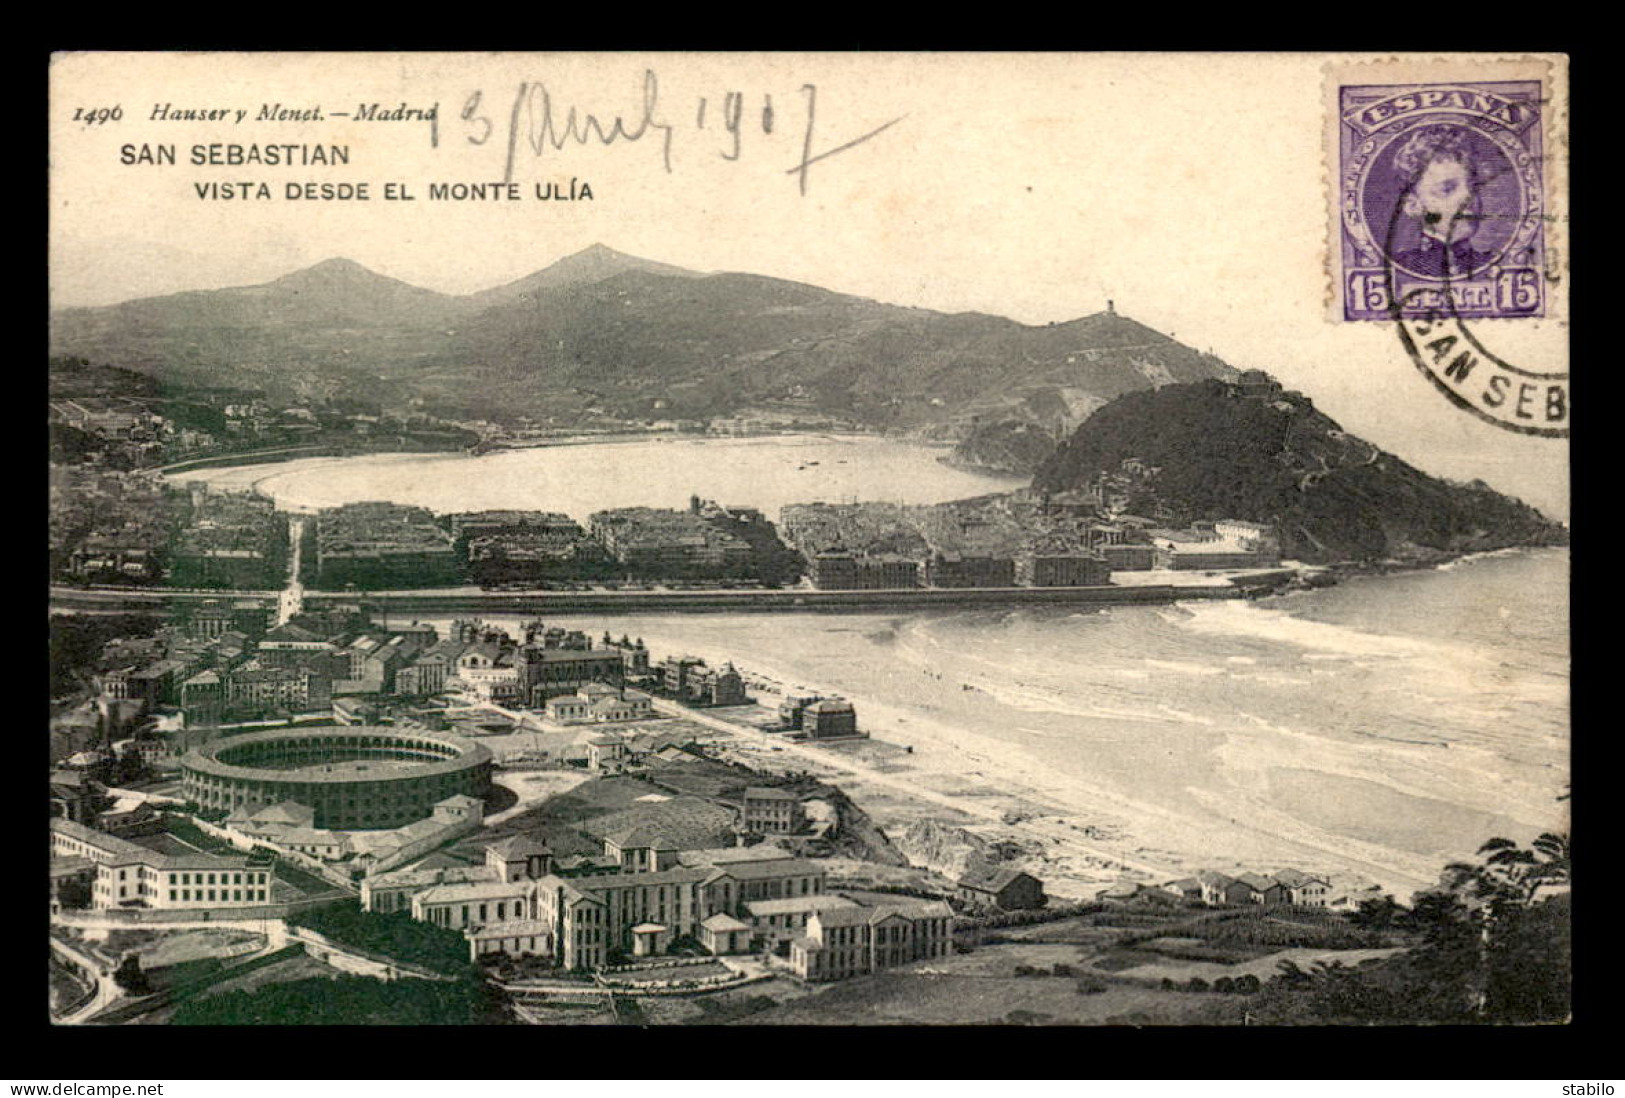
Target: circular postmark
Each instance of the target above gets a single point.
(1451, 202)
(1443, 207)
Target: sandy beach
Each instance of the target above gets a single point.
(1074, 774)
(1352, 732)
(1080, 836)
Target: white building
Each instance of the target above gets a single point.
(514, 938)
(852, 942)
(477, 903)
(781, 920)
(129, 875)
(290, 825)
(489, 673)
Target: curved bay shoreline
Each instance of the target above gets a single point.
(961, 761)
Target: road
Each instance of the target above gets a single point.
(292, 599)
(908, 786)
(108, 993)
(275, 930)
(1169, 587)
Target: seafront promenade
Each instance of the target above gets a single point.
(787, 600)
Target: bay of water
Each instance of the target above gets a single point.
(578, 479)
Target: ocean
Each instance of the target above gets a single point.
(1378, 729)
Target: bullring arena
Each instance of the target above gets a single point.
(354, 777)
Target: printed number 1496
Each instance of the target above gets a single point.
(98, 116)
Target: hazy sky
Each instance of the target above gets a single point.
(1191, 190)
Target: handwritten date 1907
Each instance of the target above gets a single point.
(537, 124)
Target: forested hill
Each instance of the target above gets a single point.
(1257, 453)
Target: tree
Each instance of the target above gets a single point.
(1530, 978)
(354, 1000)
(1438, 916)
(1513, 875)
(1494, 949)
(1496, 894)
(1291, 975)
(129, 976)
(1376, 914)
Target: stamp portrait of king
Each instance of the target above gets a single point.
(1441, 200)
(1439, 176)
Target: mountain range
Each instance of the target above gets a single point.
(601, 331)
(608, 335)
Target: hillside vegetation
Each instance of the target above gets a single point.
(1277, 460)
(600, 331)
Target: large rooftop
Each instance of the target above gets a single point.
(122, 852)
(473, 891)
(795, 905)
(444, 754)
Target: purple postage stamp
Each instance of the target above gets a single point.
(1440, 193)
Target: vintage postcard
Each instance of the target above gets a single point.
(808, 539)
